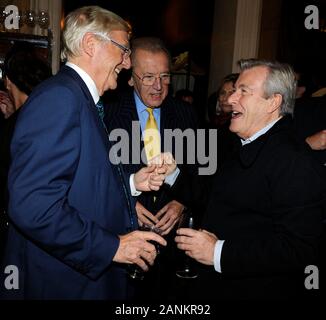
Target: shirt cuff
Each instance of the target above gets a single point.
(170, 179)
(217, 255)
(134, 192)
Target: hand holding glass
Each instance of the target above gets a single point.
(133, 270)
(186, 270)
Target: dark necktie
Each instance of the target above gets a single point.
(101, 113)
(100, 110)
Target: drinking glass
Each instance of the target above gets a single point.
(134, 271)
(186, 270)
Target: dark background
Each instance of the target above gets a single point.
(187, 25)
(184, 25)
(296, 44)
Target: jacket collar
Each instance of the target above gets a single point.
(250, 152)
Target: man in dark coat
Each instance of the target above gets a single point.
(264, 207)
(150, 81)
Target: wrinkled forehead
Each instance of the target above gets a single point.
(142, 58)
(253, 78)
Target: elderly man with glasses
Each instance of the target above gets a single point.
(150, 106)
(74, 224)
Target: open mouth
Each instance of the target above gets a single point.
(236, 114)
(156, 96)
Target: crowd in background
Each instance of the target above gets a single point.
(61, 208)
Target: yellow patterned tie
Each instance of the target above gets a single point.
(152, 138)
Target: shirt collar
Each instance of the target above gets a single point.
(88, 81)
(139, 104)
(141, 107)
(259, 133)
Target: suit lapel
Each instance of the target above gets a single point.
(168, 119)
(91, 105)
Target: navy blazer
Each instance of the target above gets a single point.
(68, 202)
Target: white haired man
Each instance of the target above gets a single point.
(72, 213)
(264, 207)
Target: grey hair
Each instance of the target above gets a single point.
(150, 44)
(92, 19)
(280, 80)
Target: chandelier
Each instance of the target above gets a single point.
(29, 18)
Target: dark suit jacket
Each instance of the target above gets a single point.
(67, 201)
(6, 134)
(266, 203)
(174, 114)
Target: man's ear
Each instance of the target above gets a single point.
(88, 44)
(8, 84)
(131, 81)
(275, 102)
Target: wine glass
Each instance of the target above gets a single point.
(134, 271)
(186, 270)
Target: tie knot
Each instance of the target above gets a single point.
(99, 104)
(150, 111)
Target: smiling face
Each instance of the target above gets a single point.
(153, 64)
(251, 111)
(109, 60)
(224, 94)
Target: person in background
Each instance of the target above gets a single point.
(223, 108)
(149, 98)
(23, 71)
(310, 125)
(264, 208)
(73, 221)
(185, 95)
(226, 140)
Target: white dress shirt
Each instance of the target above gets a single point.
(96, 97)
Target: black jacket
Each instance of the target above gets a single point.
(266, 203)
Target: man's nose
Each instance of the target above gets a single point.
(126, 62)
(157, 83)
(233, 98)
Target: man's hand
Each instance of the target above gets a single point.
(166, 161)
(169, 215)
(144, 216)
(317, 141)
(6, 105)
(198, 245)
(135, 248)
(149, 178)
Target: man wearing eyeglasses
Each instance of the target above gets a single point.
(149, 98)
(73, 218)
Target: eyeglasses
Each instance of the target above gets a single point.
(148, 80)
(126, 51)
